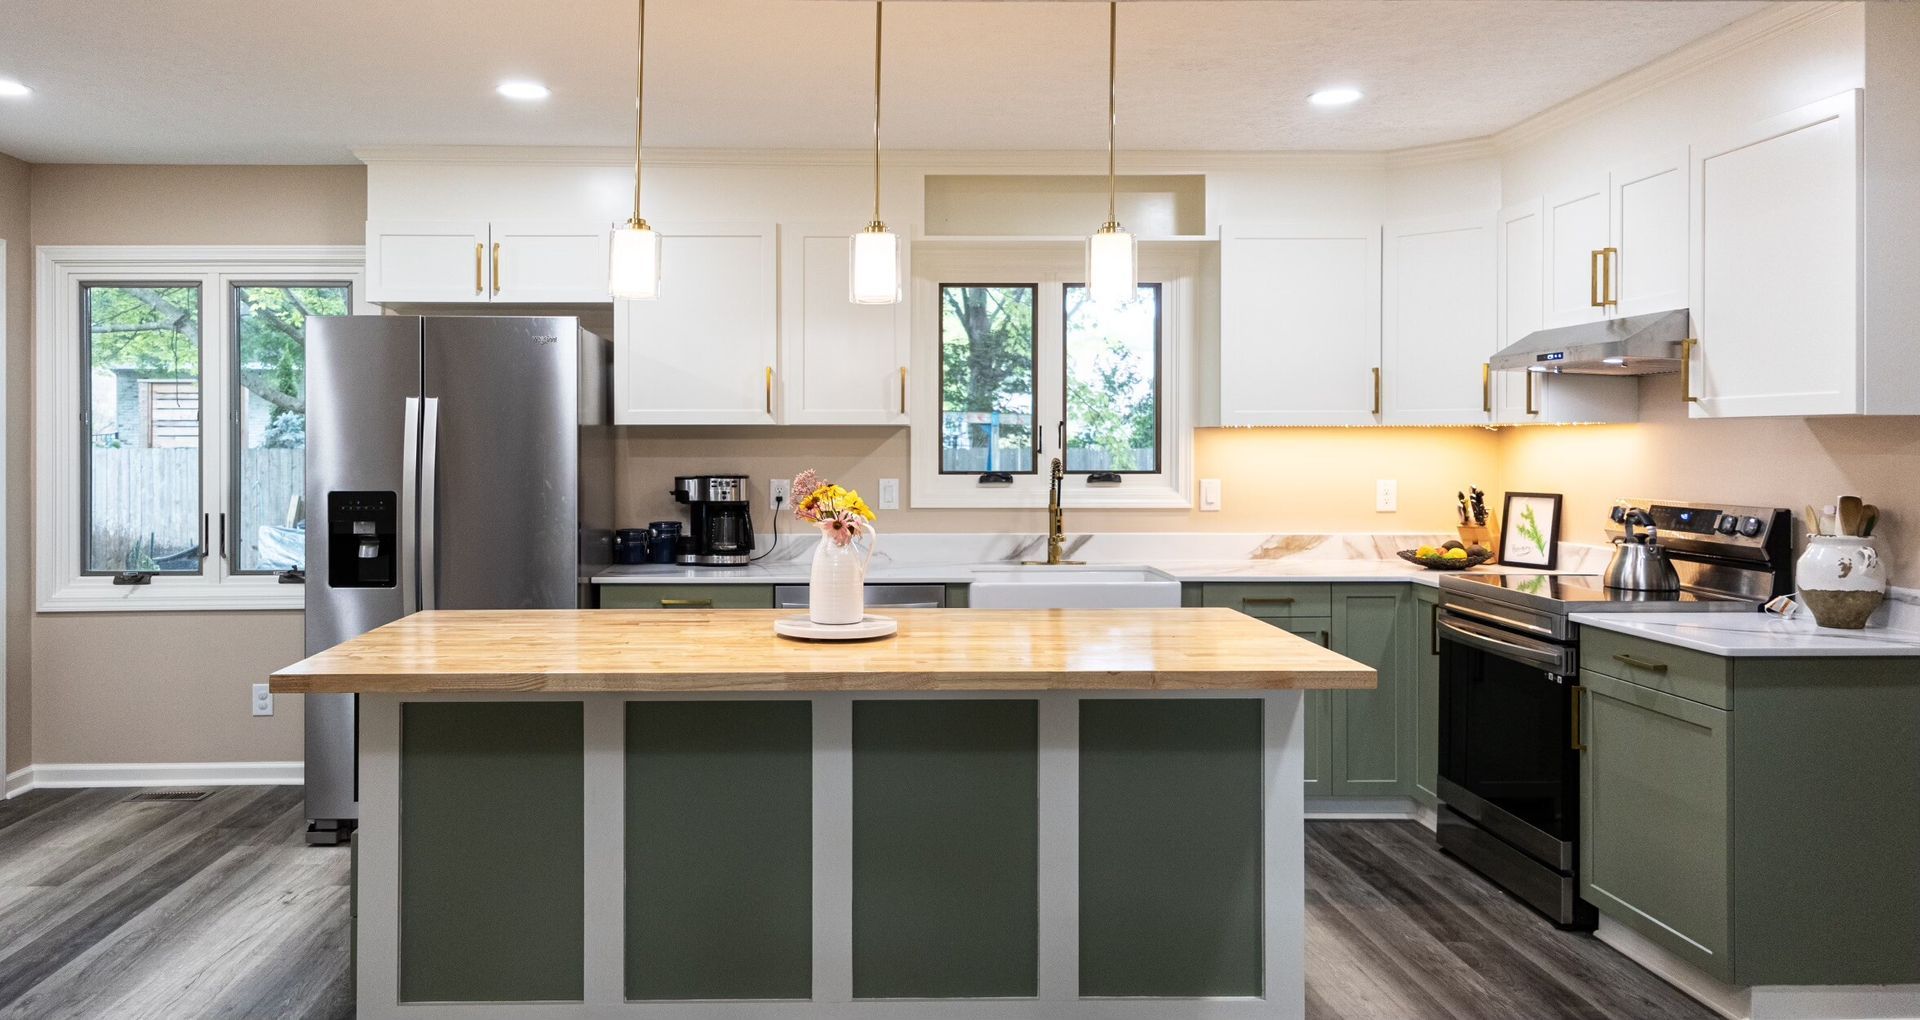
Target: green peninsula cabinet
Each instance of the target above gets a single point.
(1754, 816)
(1358, 743)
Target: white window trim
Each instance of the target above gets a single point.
(59, 271)
(1052, 264)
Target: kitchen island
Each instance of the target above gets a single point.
(1056, 813)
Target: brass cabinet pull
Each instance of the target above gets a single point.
(1593, 279)
(903, 389)
(479, 268)
(1486, 386)
(1376, 390)
(496, 267)
(686, 603)
(1639, 663)
(1686, 370)
(1576, 690)
(1267, 600)
(769, 389)
(1531, 407)
(1610, 278)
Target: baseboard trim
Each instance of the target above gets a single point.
(1724, 999)
(1362, 809)
(219, 773)
(1763, 1002)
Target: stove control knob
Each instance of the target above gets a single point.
(1729, 524)
(1751, 527)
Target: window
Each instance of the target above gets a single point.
(987, 380)
(1027, 368)
(181, 485)
(1113, 383)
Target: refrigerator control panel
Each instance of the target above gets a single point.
(363, 539)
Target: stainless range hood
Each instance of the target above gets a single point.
(1635, 345)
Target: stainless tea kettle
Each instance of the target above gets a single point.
(1639, 563)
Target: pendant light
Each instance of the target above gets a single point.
(1111, 258)
(874, 276)
(633, 263)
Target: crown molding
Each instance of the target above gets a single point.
(1443, 152)
(1090, 161)
(1747, 32)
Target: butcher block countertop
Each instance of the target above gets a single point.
(602, 650)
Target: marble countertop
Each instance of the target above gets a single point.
(1755, 635)
(1290, 569)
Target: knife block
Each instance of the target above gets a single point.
(1482, 534)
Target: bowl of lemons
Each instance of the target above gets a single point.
(1450, 556)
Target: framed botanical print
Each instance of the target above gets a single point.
(1531, 537)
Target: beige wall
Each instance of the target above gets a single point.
(17, 275)
(160, 687)
(1274, 480)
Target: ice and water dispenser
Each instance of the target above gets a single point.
(363, 539)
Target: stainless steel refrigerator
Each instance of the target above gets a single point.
(452, 463)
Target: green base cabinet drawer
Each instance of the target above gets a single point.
(686, 596)
(1682, 672)
(1656, 842)
(1271, 600)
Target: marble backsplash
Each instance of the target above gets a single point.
(1156, 547)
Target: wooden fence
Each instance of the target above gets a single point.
(146, 501)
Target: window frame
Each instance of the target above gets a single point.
(940, 368)
(61, 582)
(1159, 390)
(1050, 263)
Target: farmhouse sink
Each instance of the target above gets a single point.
(1072, 587)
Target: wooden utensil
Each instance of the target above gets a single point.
(1870, 516)
(1851, 515)
(1813, 520)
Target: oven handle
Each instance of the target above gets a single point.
(1511, 646)
(1504, 621)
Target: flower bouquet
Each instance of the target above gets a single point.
(838, 579)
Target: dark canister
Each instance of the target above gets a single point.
(630, 546)
(663, 541)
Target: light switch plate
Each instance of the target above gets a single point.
(1209, 494)
(1386, 495)
(889, 493)
(779, 492)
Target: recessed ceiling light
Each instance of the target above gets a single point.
(523, 90)
(1334, 97)
(9, 87)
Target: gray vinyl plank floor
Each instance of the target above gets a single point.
(116, 907)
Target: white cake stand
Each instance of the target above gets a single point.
(801, 627)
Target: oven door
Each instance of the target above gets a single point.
(1508, 757)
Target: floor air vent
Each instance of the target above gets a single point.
(175, 795)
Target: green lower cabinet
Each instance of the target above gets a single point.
(1319, 709)
(685, 596)
(1372, 730)
(1654, 818)
(1426, 695)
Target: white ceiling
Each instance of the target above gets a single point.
(279, 81)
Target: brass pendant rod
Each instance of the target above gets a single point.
(1113, 48)
(879, 9)
(639, 100)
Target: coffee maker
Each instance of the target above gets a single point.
(721, 531)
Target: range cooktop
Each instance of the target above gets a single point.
(1585, 593)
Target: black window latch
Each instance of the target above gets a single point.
(133, 577)
(292, 577)
(995, 478)
(1104, 478)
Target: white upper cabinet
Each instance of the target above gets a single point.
(704, 351)
(1649, 234)
(1577, 263)
(550, 261)
(1534, 398)
(1775, 293)
(427, 261)
(1437, 328)
(1300, 324)
(477, 261)
(840, 363)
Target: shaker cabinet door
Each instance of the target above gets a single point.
(428, 261)
(1300, 324)
(1649, 257)
(1438, 325)
(1578, 273)
(703, 352)
(840, 363)
(550, 261)
(1372, 730)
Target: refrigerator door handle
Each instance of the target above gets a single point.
(429, 487)
(409, 504)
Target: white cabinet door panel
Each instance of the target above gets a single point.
(1438, 327)
(1520, 267)
(1649, 204)
(427, 261)
(1299, 324)
(1576, 223)
(558, 261)
(703, 352)
(840, 363)
(1775, 277)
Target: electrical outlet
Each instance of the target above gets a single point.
(1386, 496)
(1209, 495)
(779, 492)
(262, 700)
(889, 493)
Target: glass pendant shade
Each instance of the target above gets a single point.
(875, 273)
(633, 264)
(1111, 267)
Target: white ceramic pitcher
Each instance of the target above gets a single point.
(837, 584)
